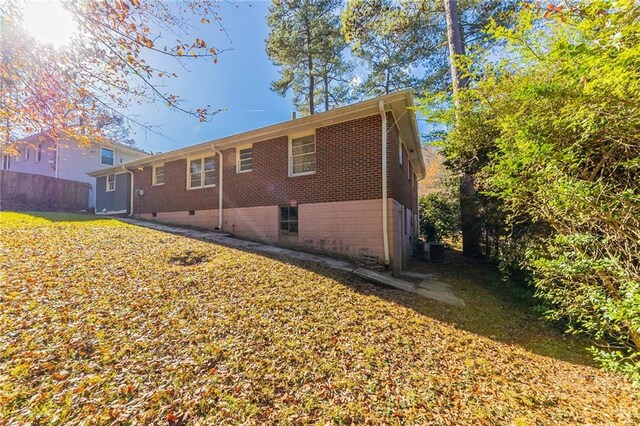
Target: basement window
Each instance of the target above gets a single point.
(289, 220)
(192, 212)
(154, 214)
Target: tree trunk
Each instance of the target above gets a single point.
(471, 232)
(310, 70)
(326, 93)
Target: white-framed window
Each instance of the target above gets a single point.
(400, 153)
(26, 153)
(158, 174)
(244, 159)
(19, 155)
(201, 172)
(111, 183)
(6, 162)
(302, 155)
(39, 152)
(107, 157)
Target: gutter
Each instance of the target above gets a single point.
(132, 190)
(385, 211)
(327, 118)
(220, 167)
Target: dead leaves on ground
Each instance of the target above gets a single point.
(107, 323)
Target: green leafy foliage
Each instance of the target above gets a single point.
(306, 44)
(101, 326)
(551, 130)
(439, 216)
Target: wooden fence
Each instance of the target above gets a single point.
(26, 191)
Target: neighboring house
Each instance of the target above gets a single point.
(342, 181)
(40, 154)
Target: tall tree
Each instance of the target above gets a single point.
(469, 220)
(403, 43)
(391, 41)
(553, 128)
(305, 43)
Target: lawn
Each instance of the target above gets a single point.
(108, 323)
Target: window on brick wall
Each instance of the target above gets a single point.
(202, 172)
(158, 174)
(302, 155)
(288, 220)
(244, 160)
(400, 152)
(111, 183)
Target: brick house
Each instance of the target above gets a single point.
(342, 181)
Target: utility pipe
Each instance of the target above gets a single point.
(385, 212)
(132, 190)
(220, 167)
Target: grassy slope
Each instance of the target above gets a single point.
(102, 321)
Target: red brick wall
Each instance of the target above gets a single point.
(347, 168)
(173, 195)
(400, 186)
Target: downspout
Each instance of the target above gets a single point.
(132, 190)
(221, 167)
(385, 211)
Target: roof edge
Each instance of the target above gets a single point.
(334, 116)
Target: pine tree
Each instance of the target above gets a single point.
(305, 42)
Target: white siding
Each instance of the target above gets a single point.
(74, 161)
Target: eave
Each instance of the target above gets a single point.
(400, 103)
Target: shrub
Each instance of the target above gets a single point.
(439, 217)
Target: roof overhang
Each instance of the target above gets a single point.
(92, 142)
(399, 103)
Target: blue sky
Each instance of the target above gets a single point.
(239, 82)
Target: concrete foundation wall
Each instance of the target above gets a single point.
(202, 218)
(259, 223)
(403, 232)
(348, 228)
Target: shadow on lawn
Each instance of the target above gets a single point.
(493, 309)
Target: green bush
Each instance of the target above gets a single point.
(439, 217)
(553, 131)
